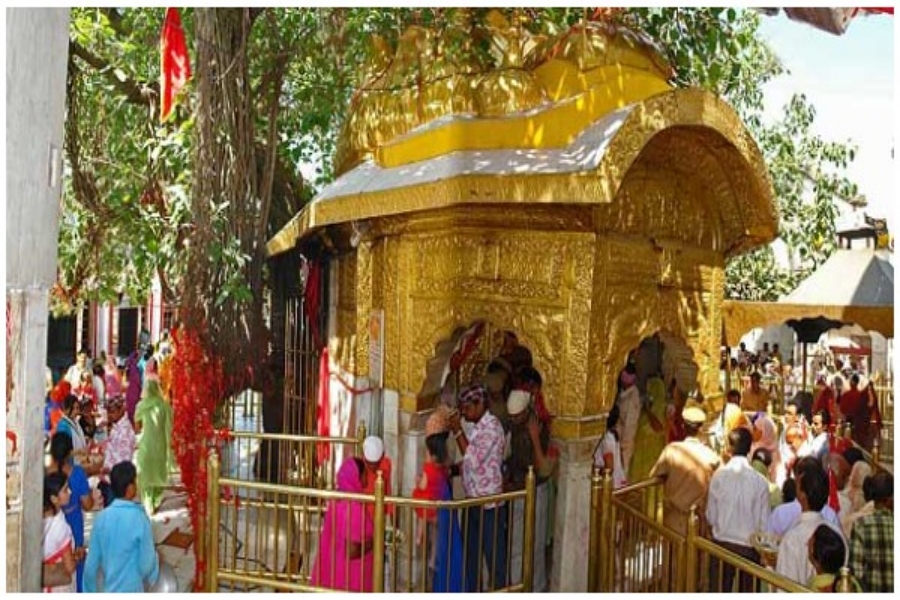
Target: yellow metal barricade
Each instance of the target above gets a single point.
(630, 550)
(265, 536)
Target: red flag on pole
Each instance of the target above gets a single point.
(175, 68)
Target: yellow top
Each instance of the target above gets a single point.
(541, 94)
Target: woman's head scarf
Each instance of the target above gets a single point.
(151, 388)
(858, 474)
(768, 435)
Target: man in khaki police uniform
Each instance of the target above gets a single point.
(687, 467)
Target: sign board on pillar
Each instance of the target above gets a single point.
(376, 348)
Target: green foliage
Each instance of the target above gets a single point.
(125, 211)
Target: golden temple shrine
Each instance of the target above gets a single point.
(569, 195)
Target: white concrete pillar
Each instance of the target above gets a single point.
(571, 526)
(36, 54)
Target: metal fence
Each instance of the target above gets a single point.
(268, 535)
(632, 551)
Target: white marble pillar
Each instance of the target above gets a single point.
(571, 535)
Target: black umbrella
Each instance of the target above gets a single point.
(809, 330)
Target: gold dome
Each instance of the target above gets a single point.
(598, 65)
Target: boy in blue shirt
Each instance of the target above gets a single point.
(122, 540)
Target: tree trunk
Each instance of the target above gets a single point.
(226, 252)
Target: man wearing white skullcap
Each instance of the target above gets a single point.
(373, 449)
(376, 460)
(529, 442)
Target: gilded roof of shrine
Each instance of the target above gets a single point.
(560, 120)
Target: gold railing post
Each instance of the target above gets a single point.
(844, 584)
(595, 532)
(876, 452)
(608, 516)
(679, 576)
(378, 567)
(528, 549)
(212, 511)
(361, 434)
(202, 537)
(690, 581)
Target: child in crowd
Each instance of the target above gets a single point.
(826, 553)
(608, 454)
(58, 542)
(430, 485)
(121, 544)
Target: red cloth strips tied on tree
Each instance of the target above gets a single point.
(175, 67)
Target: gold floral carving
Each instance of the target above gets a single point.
(641, 290)
(364, 304)
(345, 327)
(389, 300)
(534, 283)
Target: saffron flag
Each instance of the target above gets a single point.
(175, 68)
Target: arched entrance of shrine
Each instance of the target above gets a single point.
(481, 352)
(666, 373)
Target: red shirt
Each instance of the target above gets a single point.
(435, 480)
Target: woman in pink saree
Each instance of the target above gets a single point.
(345, 560)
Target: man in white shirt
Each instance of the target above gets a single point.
(737, 506)
(812, 493)
(785, 515)
(74, 373)
(818, 448)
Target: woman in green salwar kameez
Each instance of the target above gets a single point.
(651, 436)
(153, 422)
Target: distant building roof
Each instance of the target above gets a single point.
(860, 277)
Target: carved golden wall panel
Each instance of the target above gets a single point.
(491, 263)
(343, 347)
(537, 284)
(622, 317)
(544, 286)
(365, 272)
(679, 191)
(389, 300)
(579, 302)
